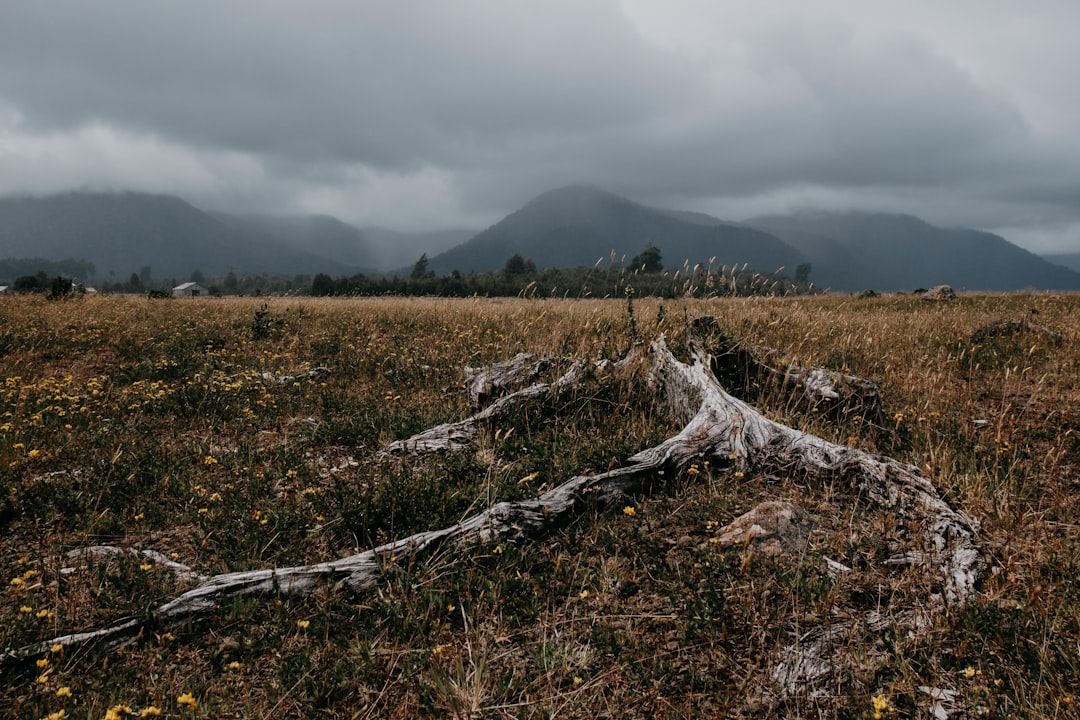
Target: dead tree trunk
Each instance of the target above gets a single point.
(717, 427)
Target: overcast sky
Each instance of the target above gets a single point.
(433, 114)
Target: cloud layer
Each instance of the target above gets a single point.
(425, 114)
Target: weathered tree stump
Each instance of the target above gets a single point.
(716, 426)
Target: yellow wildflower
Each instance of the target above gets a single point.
(63, 692)
(43, 663)
(583, 594)
(150, 711)
(146, 567)
(44, 615)
(26, 609)
(577, 680)
(55, 715)
(303, 624)
(970, 672)
(629, 511)
(210, 460)
(234, 665)
(17, 582)
(56, 648)
(116, 712)
(881, 706)
(187, 699)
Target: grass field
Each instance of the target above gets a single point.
(150, 425)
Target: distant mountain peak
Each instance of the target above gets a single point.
(575, 225)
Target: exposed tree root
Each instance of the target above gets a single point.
(487, 383)
(517, 372)
(718, 427)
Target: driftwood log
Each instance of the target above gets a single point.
(716, 426)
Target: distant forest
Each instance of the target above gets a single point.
(10, 268)
(643, 277)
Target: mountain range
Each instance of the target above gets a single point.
(123, 233)
(895, 252)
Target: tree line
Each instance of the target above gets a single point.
(643, 276)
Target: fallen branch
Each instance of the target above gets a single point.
(290, 379)
(98, 553)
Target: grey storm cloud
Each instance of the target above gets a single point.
(432, 113)
(389, 84)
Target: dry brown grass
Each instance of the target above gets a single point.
(181, 447)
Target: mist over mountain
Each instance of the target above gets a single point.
(1067, 260)
(396, 250)
(889, 252)
(121, 233)
(578, 226)
(368, 250)
(326, 237)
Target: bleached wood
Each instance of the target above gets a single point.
(290, 379)
(458, 435)
(98, 553)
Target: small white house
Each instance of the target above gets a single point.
(189, 289)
